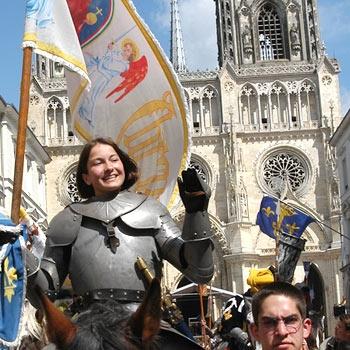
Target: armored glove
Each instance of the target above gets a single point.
(194, 192)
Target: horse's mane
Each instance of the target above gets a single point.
(105, 327)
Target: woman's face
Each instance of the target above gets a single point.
(105, 170)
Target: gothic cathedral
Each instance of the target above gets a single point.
(263, 118)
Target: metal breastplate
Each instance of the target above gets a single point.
(93, 264)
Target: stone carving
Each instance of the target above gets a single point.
(232, 198)
(32, 125)
(199, 75)
(247, 41)
(57, 84)
(243, 199)
(263, 88)
(274, 69)
(292, 87)
(228, 86)
(294, 39)
(326, 80)
(34, 100)
(244, 8)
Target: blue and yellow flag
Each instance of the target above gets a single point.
(12, 285)
(289, 220)
(135, 96)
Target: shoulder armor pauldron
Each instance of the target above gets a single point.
(63, 228)
(147, 215)
(108, 208)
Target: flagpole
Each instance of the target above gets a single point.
(21, 134)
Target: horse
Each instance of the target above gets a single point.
(110, 325)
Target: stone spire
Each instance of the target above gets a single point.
(177, 52)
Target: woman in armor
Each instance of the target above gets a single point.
(98, 241)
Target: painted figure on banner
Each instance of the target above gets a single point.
(41, 11)
(136, 72)
(116, 64)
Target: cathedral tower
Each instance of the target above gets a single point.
(251, 31)
(265, 118)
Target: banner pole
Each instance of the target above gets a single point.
(21, 134)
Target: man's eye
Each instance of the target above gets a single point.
(291, 320)
(270, 322)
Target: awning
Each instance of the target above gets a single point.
(192, 290)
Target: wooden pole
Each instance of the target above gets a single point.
(204, 335)
(21, 134)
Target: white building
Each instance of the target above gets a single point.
(34, 177)
(341, 141)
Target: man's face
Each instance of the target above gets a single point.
(280, 325)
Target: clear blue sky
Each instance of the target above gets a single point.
(198, 26)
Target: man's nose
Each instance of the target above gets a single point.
(281, 328)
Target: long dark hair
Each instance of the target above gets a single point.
(130, 167)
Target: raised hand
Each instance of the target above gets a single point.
(194, 192)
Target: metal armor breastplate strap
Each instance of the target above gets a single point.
(112, 240)
(94, 266)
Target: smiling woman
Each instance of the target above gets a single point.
(105, 171)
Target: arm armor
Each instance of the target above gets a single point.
(50, 274)
(191, 253)
(192, 257)
(43, 275)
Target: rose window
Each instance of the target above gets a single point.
(282, 167)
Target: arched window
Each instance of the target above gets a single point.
(210, 107)
(249, 105)
(270, 34)
(279, 104)
(55, 118)
(308, 101)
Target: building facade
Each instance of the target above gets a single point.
(34, 174)
(264, 117)
(341, 141)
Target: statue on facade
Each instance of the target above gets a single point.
(294, 38)
(247, 40)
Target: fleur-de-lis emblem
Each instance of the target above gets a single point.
(292, 228)
(268, 211)
(10, 276)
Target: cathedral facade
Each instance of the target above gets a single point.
(263, 118)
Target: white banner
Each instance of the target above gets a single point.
(49, 30)
(135, 96)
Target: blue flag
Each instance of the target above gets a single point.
(12, 285)
(290, 220)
